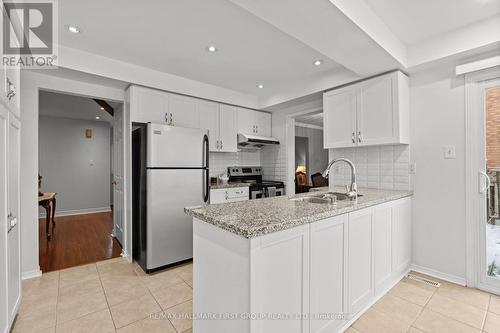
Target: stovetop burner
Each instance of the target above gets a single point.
(253, 176)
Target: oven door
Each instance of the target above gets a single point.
(257, 193)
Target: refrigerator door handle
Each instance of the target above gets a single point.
(206, 185)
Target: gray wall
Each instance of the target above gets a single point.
(318, 156)
(65, 157)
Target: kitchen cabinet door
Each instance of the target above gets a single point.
(327, 273)
(209, 119)
(401, 235)
(13, 227)
(183, 111)
(339, 116)
(4, 322)
(263, 123)
(148, 105)
(228, 134)
(246, 121)
(377, 112)
(281, 279)
(359, 281)
(382, 246)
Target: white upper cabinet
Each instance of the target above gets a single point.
(183, 111)
(220, 120)
(209, 119)
(339, 118)
(254, 122)
(148, 105)
(371, 112)
(228, 135)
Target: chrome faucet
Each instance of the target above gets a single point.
(352, 193)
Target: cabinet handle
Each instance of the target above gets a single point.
(221, 144)
(360, 138)
(227, 196)
(166, 118)
(171, 119)
(352, 138)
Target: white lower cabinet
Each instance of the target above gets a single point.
(327, 274)
(313, 278)
(232, 194)
(359, 259)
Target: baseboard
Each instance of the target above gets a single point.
(79, 211)
(31, 274)
(440, 275)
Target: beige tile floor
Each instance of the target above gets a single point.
(109, 296)
(115, 296)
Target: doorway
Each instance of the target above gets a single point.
(483, 180)
(80, 180)
(311, 158)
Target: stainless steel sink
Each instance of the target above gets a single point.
(324, 198)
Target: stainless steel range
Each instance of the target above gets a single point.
(258, 188)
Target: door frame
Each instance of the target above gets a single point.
(290, 146)
(126, 245)
(475, 213)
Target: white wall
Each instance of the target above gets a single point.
(438, 119)
(220, 161)
(31, 83)
(76, 167)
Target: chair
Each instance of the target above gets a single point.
(318, 180)
(301, 185)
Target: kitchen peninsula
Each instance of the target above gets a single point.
(297, 264)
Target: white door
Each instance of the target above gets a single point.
(360, 284)
(209, 120)
(227, 129)
(13, 202)
(263, 123)
(183, 111)
(118, 176)
(3, 219)
(377, 113)
(246, 121)
(339, 115)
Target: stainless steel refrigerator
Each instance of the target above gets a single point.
(169, 172)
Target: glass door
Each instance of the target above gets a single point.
(491, 185)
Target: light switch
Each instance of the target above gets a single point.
(449, 152)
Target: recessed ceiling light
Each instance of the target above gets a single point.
(260, 86)
(317, 62)
(102, 108)
(74, 29)
(97, 117)
(211, 48)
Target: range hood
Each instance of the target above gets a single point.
(248, 141)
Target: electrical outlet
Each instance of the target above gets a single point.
(449, 152)
(413, 168)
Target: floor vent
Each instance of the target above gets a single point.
(423, 280)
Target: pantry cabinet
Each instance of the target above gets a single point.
(371, 112)
(10, 250)
(254, 122)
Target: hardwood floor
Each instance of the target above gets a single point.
(77, 240)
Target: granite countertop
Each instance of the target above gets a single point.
(254, 218)
(228, 185)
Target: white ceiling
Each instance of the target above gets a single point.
(413, 21)
(74, 107)
(171, 36)
(315, 119)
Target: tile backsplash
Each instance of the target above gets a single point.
(220, 161)
(382, 167)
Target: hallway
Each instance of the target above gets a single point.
(77, 240)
